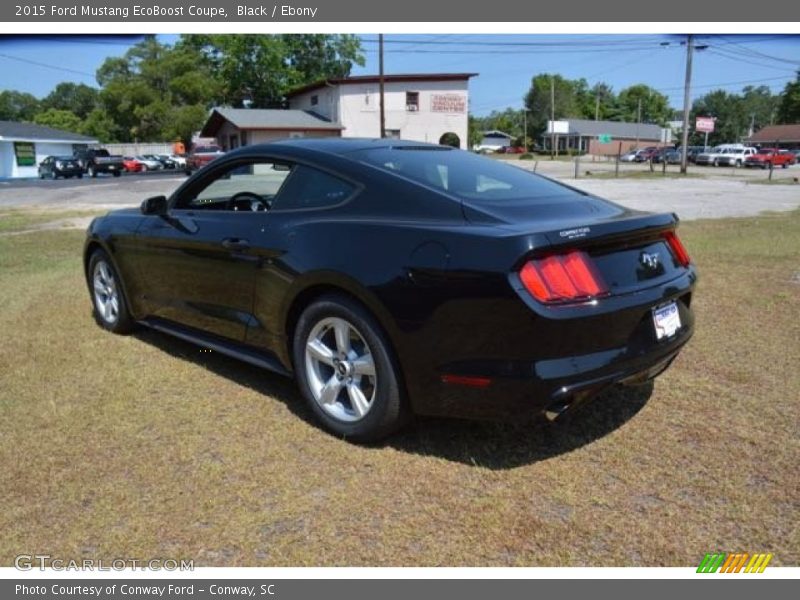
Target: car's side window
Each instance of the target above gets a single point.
(311, 188)
(247, 186)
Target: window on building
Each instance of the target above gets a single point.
(314, 100)
(412, 101)
(393, 134)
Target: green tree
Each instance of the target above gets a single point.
(99, 125)
(66, 120)
(17, 106)
(152, 85)
(538, 100)
(731, 121)
(789, 107)
(258, 70)
(78, 98)
(654, 105)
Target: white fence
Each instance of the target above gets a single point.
(139, 148)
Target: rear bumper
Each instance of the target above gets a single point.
(545, 364)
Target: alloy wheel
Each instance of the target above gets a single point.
(106, 294)
(340, 370)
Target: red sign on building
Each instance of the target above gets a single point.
(448, 103)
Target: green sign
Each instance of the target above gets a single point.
(604, 138)
(25, 153)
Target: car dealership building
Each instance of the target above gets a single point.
(24, 145)
(422, 107)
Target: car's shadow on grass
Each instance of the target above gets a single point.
(483, 444)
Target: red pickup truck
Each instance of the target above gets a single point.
(770, 156)
(200, 156)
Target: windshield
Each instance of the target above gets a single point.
(463, 174)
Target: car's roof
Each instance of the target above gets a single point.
(337, 145)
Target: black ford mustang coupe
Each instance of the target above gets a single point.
(396, 278)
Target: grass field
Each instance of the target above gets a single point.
(143, 446)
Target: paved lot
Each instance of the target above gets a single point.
(719, 194)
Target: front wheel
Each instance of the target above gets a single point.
(346, 371)
(108, 301)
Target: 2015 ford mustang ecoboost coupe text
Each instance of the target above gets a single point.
(397, 278)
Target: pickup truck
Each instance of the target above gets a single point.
(99, 160)
(200, 156)
(770, 156)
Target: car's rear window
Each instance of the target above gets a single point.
(462, 174)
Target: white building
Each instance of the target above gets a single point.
(421, 107)
(494, 140)
(24, 145)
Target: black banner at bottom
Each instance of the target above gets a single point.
(389, 589)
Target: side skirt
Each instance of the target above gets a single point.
(238, 351)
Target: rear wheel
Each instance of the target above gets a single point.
(346, 371)
(108, 301)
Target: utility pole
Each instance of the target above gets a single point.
(552, 117)
(380, 85)
(597, 106)
(638, 120)
(525, 128)
(686, 103)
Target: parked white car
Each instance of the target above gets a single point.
(629, 156)
(180, 161)
(149, 164)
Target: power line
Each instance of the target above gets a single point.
(45, 65)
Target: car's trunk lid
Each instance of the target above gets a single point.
(628, 248)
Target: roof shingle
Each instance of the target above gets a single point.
(12, 130)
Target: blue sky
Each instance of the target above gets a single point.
(505, 63)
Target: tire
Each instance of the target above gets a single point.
(365, 401)
(738, 163)
(80, 176)
(109, 307)
(91, 172)
(117, 174)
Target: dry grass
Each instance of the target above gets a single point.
(143, 446)
(17, 220)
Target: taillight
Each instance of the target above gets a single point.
(563, 278)
(681, 255)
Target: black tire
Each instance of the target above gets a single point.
(123, 323)
(388, 410)
(117, 174)
(80, 175)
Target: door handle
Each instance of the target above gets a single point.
(235, 244)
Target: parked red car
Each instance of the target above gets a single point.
(770, 156)
(511, 150)
(131, 164)
(646, 154)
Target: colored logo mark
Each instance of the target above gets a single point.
(734, 563)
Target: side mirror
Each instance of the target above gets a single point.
(157, 205)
